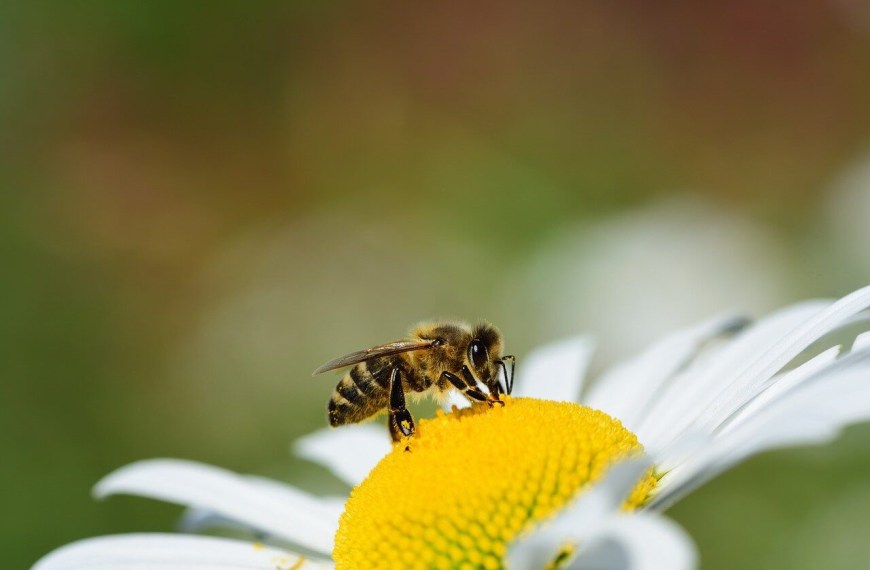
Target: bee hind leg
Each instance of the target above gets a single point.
(401, 423)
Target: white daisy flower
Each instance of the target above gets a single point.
(494, 488)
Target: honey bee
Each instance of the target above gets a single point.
(436, 357)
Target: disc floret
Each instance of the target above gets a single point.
(469, 482)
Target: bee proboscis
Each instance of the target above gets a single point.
(436, 357)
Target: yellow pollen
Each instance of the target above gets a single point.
(472, 480)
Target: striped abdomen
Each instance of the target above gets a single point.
(362, 392)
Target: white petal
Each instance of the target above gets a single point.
(772, 360)
(861, 341)
(684, 400)
(641, 541)
(537, 548)
(555, 371)
(286, 513)
(608, 539)
(781, 385)
(681, 451)
(350, 452)
(813, 413)
(627, 390)
(196, 519)
(170, 552)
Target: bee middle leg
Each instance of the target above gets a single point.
(468, 387)
(401, 423)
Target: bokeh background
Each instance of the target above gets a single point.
(201, 202)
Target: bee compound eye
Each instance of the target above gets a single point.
(477, 353)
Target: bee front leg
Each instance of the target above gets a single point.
(401, 423)
(466, 386)
(492, 398)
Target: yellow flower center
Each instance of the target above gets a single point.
(459, 491)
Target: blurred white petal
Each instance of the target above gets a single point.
(555, 371)
(350, 451)
(641, 541)
(537, 548)
(847, 211)
(627, 390)
(170, 552)
(629, 277)
(861, 341)
(289, 513)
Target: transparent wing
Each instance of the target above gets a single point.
(387, 349)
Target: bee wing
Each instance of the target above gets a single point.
(387, 349)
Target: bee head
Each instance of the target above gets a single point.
(484, 354)
(456, 344)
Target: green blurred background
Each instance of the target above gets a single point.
(201, 202)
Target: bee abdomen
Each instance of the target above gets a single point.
(357, 396)
(361, 378)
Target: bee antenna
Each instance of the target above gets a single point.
(503, 390)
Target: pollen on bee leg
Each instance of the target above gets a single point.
(477, 478)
